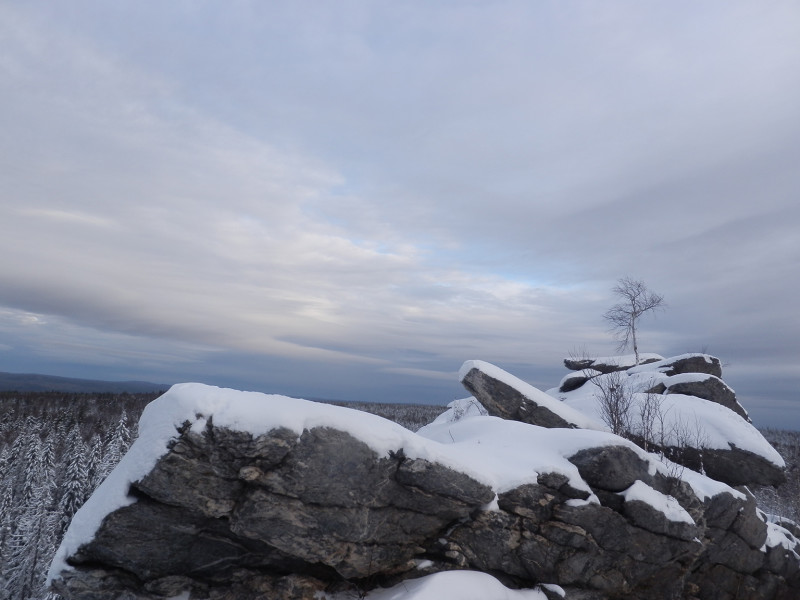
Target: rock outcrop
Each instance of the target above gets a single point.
(708, 387)
(234, 496)
(227, 515)
(677, 390)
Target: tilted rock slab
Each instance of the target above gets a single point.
(229, 514)
(505, 396)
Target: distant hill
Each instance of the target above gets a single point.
(34, 382)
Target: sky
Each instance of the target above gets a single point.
(349, 199)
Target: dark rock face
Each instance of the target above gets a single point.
(712, 389)
(507, 402)
(229, 516)
(573, 382)
(689, 363)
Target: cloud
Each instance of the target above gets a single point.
(398, 187)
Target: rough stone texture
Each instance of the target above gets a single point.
(227, 516)
(505, 401)
(323, 506)
(712, 389)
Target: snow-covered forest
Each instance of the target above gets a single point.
(56, 448)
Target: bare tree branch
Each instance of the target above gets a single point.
(637, 299)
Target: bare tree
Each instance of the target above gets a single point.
(615, 402)
(651, 421)
(636, 300)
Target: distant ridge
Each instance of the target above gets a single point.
(34, 382)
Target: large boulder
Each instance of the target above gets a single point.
(707, 387)
(324, 506)
(273, 498)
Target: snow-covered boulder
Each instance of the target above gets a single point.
(230, 495)
(707, 387)
(684, 363)
(681, 408)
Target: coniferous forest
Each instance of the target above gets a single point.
(56, 448)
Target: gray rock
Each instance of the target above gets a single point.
(228, 516)
(610, 468)
(505, 401)
(686, 363)
(323, 505)
(712, 389)
(736, 467)
(573, 382)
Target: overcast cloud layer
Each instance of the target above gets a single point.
(349, 199)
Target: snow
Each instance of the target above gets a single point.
(703, 487)
(546, 450)
(666, 504)
(458, 409)
(669, 380)
(464, 585)
(780, 536)
(535, 395)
